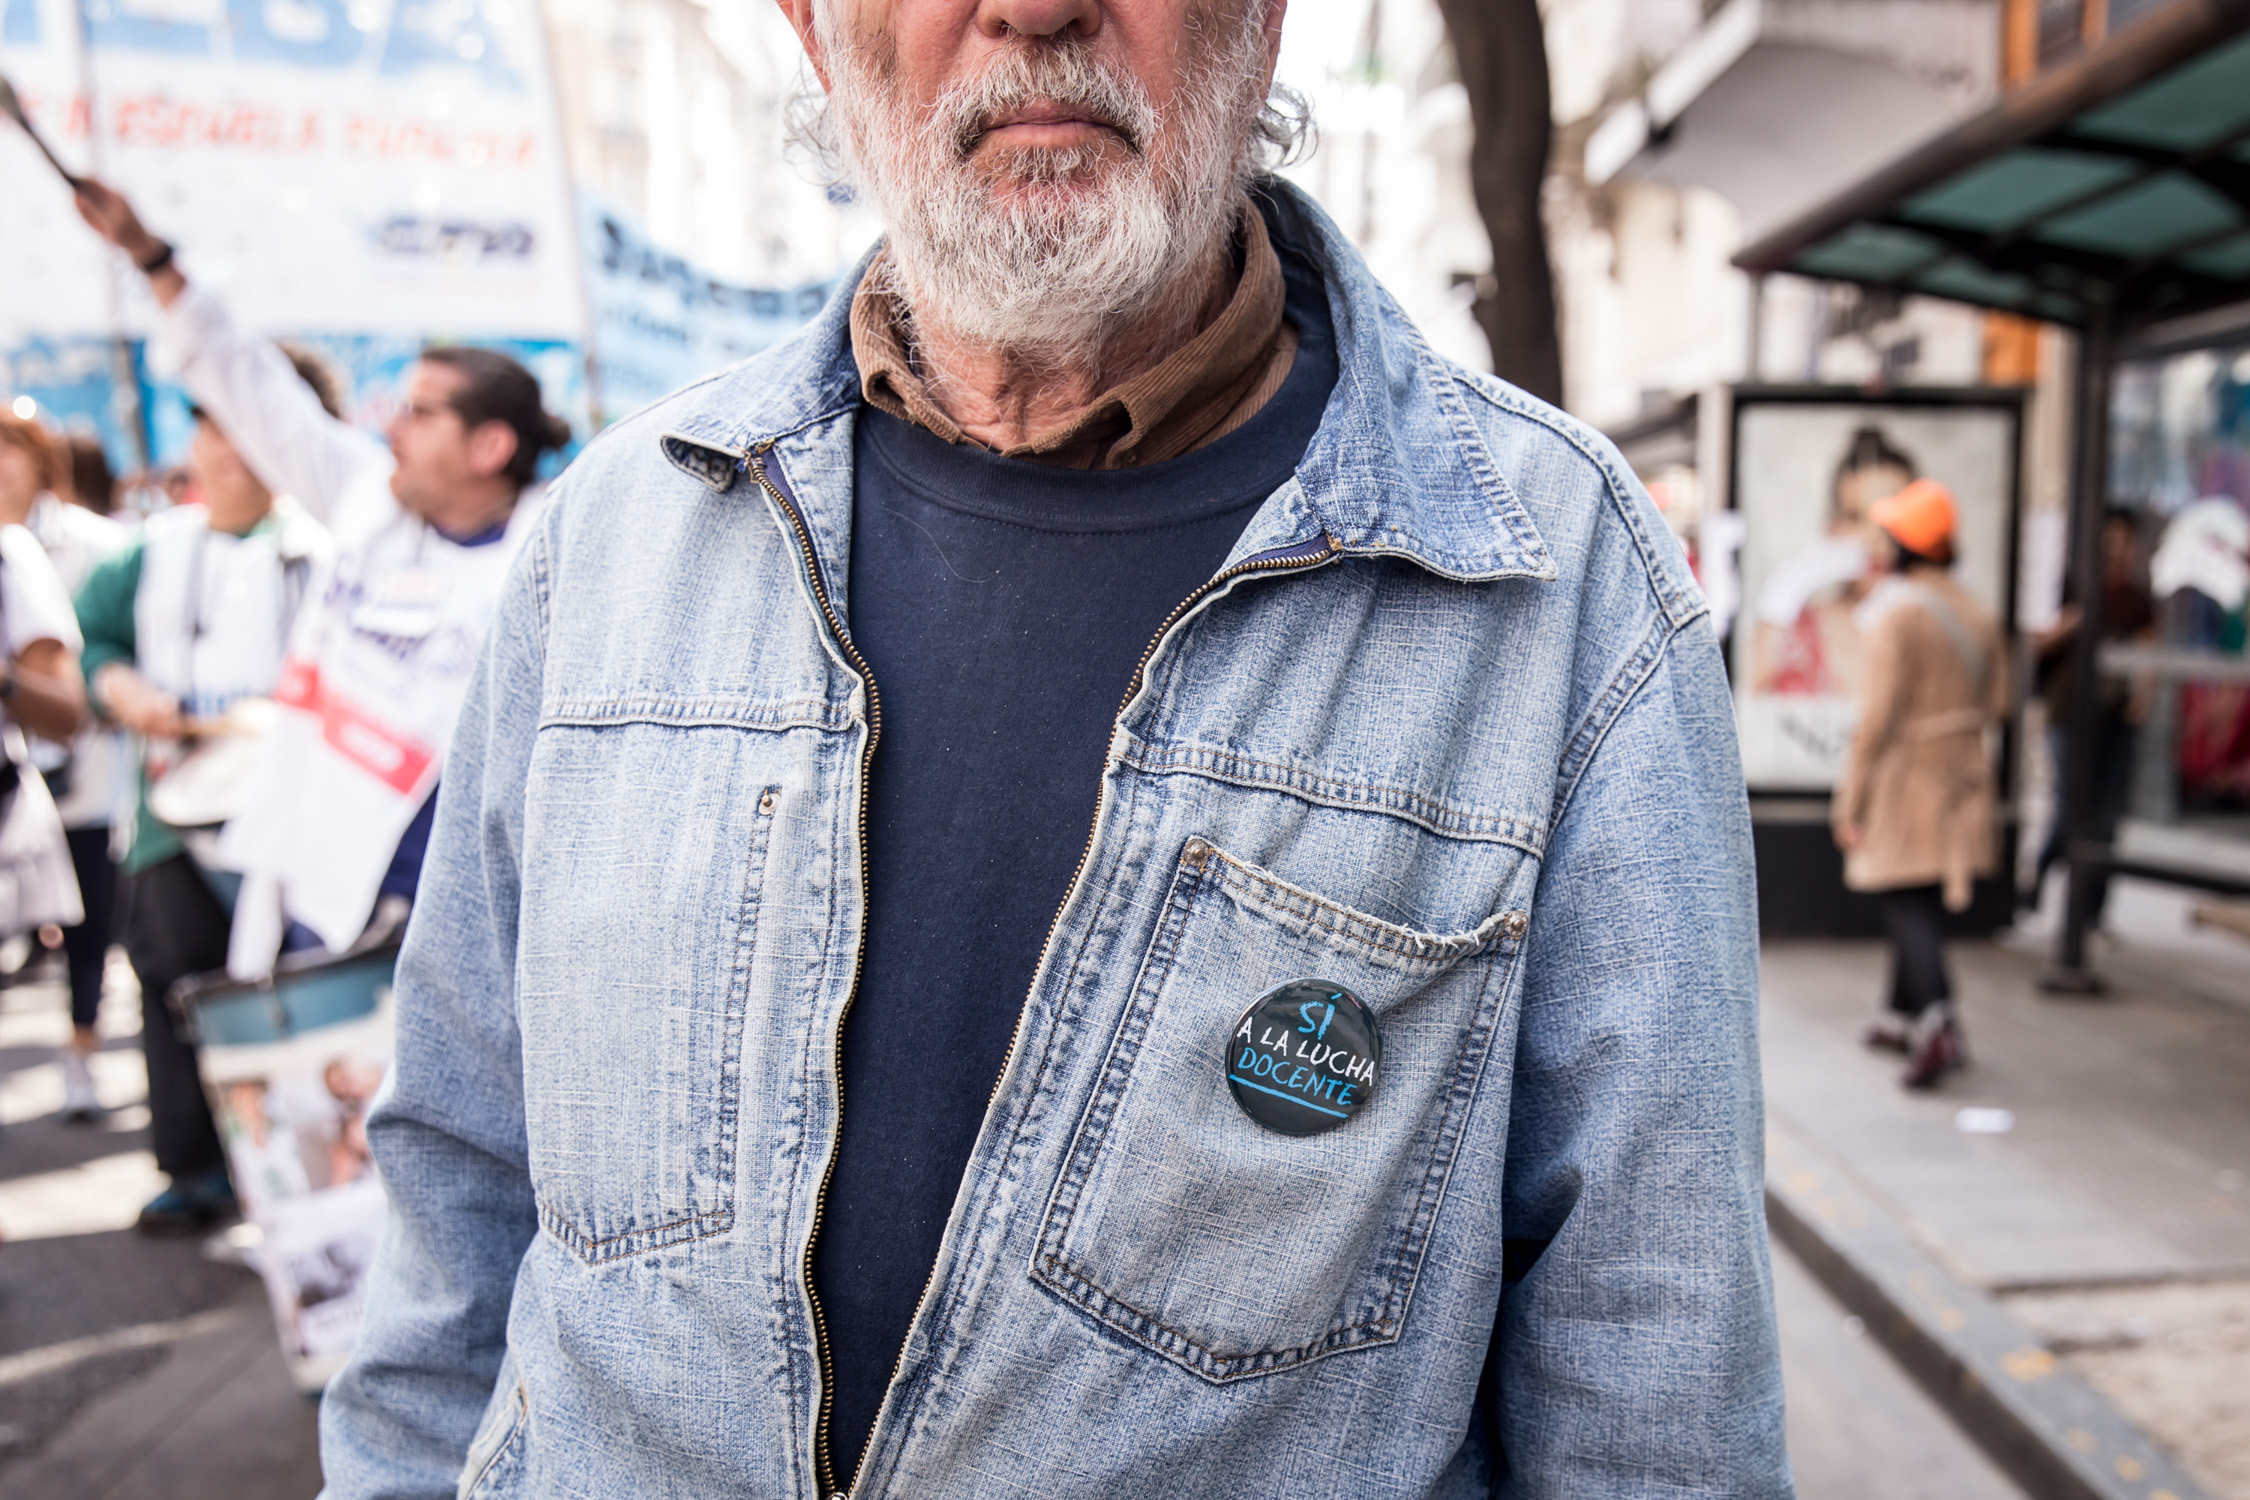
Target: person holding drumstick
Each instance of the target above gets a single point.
(188, 620)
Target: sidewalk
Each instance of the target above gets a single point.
(130, 1368)
(2111, 1217)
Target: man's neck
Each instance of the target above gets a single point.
(239, 518)
(473, 511)
(1004, 399)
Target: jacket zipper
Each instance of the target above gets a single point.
(753, 461)
(1284, 559)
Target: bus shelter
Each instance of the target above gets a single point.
(2112, 195)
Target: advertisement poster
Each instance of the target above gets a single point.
(1805, 473)
(292, 1115)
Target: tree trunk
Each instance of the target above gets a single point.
(1502, 51)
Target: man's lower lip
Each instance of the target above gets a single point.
(1019, 129)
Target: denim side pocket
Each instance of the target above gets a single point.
(639, 932)
(496, 1452)
(1223, 1246)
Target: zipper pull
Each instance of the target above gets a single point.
(749, 461)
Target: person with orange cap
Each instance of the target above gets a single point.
(1913, 811)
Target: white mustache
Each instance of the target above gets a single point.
(1046, 73)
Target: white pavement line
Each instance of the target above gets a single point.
(15, 1369)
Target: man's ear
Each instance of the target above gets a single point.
(1275, 11)
(491, 445)
(800, 14)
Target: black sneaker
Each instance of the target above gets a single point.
(190, 1205)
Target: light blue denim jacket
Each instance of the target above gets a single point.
(1449, 729)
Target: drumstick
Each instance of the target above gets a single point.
(12, 107)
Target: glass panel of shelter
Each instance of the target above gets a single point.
(2172, 747)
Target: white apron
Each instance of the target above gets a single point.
(372, 686)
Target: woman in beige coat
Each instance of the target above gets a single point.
(1914, 810)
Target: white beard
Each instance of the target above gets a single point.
(1048, 253)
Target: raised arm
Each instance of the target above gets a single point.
(448, 1130)
(247, 384)
(1636, 1352)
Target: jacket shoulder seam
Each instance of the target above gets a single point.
(540, 562)
(1624, 686)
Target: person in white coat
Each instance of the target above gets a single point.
(85, 771)
(425, 528)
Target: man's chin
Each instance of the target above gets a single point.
(1059, 172)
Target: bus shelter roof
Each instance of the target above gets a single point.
(2114, 187)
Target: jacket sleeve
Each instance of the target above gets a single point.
(270, 415)
(105, 611)
(1635, 1352)
(448, 1130)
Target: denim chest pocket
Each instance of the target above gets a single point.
(1229, 1248)
(640, 920)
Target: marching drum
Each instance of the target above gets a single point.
(211, 781)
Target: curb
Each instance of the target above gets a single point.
(2045, 1428)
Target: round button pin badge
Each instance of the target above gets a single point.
(1305, 1057)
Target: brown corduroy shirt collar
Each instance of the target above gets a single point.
(1200, 392)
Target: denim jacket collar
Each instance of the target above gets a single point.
(1398, 466)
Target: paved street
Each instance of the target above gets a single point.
(2106, 1217)
(2112, 1215)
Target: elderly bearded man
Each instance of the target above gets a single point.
(795, 1098)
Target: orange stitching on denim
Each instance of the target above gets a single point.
(1428, 812)
(1067, 1278)
(1277, 895)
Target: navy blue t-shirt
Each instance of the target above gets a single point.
(1002, 606)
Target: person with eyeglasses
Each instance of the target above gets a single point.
(426, 523)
